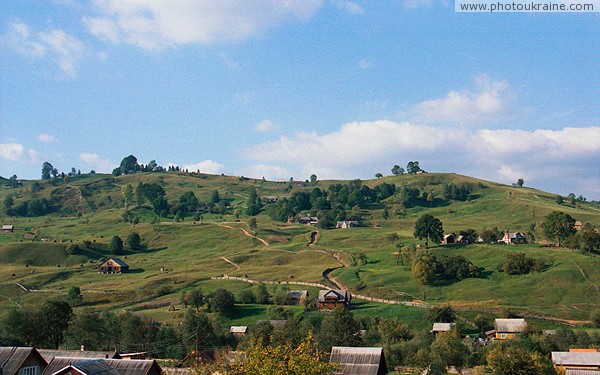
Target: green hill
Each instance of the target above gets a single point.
(88, 209)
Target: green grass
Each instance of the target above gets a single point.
(189, 254)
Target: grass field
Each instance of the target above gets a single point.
(186, 255)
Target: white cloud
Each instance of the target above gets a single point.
(265, 126)
(55, 44)
(46, 138)
(205, 166)
(153, 25)
(488, 102)
(349, 6)
(365, 64)
(11, 151)
(98, 164)
(548, 159)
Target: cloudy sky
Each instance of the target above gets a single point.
(280, 89)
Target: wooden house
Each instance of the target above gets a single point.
(308, 220)
(21, 361)
(92, 367)
(50, 354)
(113, 265)
(8, 228)
(330, 299)
(575, 363)
(358, 361)
(442, 327)
(514, 238)
(509, 328)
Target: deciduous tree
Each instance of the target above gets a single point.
(559, 225)
(430, 228)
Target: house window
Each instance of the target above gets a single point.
(30, 370)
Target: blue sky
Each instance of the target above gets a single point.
(280, 89)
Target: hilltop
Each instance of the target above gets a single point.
(184, 249)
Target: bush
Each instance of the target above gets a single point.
(596, 318)
(134, 241)
(518, 264)
(116, 245)
(73, 249)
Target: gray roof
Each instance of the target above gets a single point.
(298, 294)
(124, 367)
(94, 367)
(49, 354)
(119, 262)
(576, 358)
(238, 329)
(510, 325)
(572, 371)
(442, 327)
(358, 361)
(12, 358)
(7, 226)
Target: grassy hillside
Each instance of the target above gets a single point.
(186, 254)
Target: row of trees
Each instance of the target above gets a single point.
(411, 168)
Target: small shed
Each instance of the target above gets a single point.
(358, 361)
(113, 265)
(8, 228)
(509, 328)
(297, 295)
(238, 330)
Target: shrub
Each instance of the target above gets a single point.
(73, 249)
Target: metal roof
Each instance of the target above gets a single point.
(510, 325)
(576, 358)
(93, 367)
(341, 294)
(238, 329)
(13, 357)
(124, 367)
(358, 361)
(49, 354)
(119, 262)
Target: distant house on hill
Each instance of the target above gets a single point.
(330, 299)
(113, 265)
(8, 228)
(358, 361)
(448, 238)
(514, 238)
(308, 220)
(509, 328)
(346, 224)
(21, 361)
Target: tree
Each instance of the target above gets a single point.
(254, 204)
(559, 199)
(252, 223)
(589, 240)
(378, 175)
(430, 198)
(129, 165)
(517, 264)
(196, 298)
(313, 179)
(423, 265)
(197, 329)
(520, 182)
(504, 359)
(385, 214)
(140, 197)
(430, 228)
(339, 329)
(441, 314)
(73, 249)
(222, 301)
(116, 245)
(56, 316)
(74, 296)
(397, 170)
(559, 226)
(412, 167)
(262, 295)
(490, 235)
(87, 328)
(46, 170)
(134, 241)
(128, 196)
(8, 203)
(215, 197)
(450, 348)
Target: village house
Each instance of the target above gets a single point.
(442, 327)
(507, 329)
(298, 295)
(463, 239)
(573, 363)
(62, 366)
(308, 220)
(513, 238)
(50, 354)
(113, 265)
(8, 228)
(330, 299)
(448, 238)
(358, 361)
(21, 361)
(346, 224)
